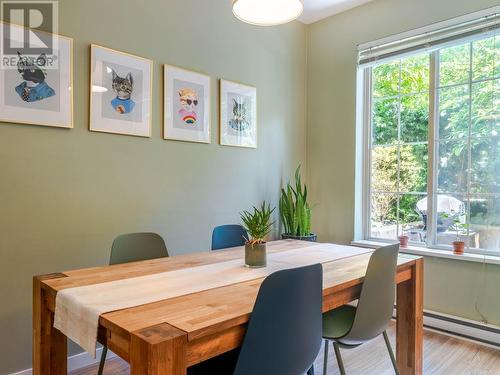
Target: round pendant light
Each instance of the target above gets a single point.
(267, 12)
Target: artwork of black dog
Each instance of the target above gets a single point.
(34, 87)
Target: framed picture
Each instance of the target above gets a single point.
(120, 92)
(37, 89)
(186, 105)
(238, 114)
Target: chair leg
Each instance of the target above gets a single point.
(325, 358)
(103, 360)
(391, 353)
(311, 370)
(339, 358)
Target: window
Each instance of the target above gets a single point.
(432, 160)
(399, 145)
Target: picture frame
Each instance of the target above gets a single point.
(38, 90)
(186, 105)
(238, 114)
(121, 89)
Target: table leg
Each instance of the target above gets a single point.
(160, 349)
(49, 344)
(409, 322)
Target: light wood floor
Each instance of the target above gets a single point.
(443, 355)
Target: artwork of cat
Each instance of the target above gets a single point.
(189, 100)
(123, 88)
(239, 122)
(33, 88)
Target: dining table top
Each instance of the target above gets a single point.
(199, 313)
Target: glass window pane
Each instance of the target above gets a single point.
(411, 220)
(452, 166)
(484, 229)
(497, 55)
(451, 218)
(414, 118)
(483, 58)
(385, 121)
(413, 168)
(384, 169)
(485, 165)
(454, 65)
(454, 112)
(415, 74)
(485, 110)
(386, 79)
(384, 216)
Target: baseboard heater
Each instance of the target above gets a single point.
(465, 328)
(452, 325)
(487, 334)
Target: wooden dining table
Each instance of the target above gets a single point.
(168, 336)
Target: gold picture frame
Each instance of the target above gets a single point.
(188, 127)
(41, 112)
(120, 114)
(239, 129)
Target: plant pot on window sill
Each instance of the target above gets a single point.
(255, 255)
(312, 237)
(403, 241)
(458, 247)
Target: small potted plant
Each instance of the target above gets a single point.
(459, 244)
(403, 238)
(258, 225)
(403, 241)
(295, 211)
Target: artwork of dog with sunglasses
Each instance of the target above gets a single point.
(189, 101)
(33, 88)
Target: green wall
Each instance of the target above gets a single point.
(452, 287)
(65, 194)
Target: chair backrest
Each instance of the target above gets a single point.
(225, 236)
(133, 247)
(284, 333)
(376, 302)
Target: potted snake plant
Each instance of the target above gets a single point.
(295, 211)
(258, 225)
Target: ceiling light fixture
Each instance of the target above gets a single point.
(267, 12)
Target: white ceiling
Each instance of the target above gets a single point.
(315, 10)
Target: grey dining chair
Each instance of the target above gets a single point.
(349, 326)
(132, 247)
(283, 336)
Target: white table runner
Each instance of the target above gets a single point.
(77, 310)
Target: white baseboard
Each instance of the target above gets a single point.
(76, 361)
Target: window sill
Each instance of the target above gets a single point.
(416, 250)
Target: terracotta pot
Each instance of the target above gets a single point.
(255, 255)
(458, 247)
(403, 241)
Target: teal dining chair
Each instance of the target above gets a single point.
(231, 235)
(348, 326)
(133, 247)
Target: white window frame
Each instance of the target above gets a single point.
(364, 148)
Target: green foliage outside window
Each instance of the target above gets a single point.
(401, 96)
